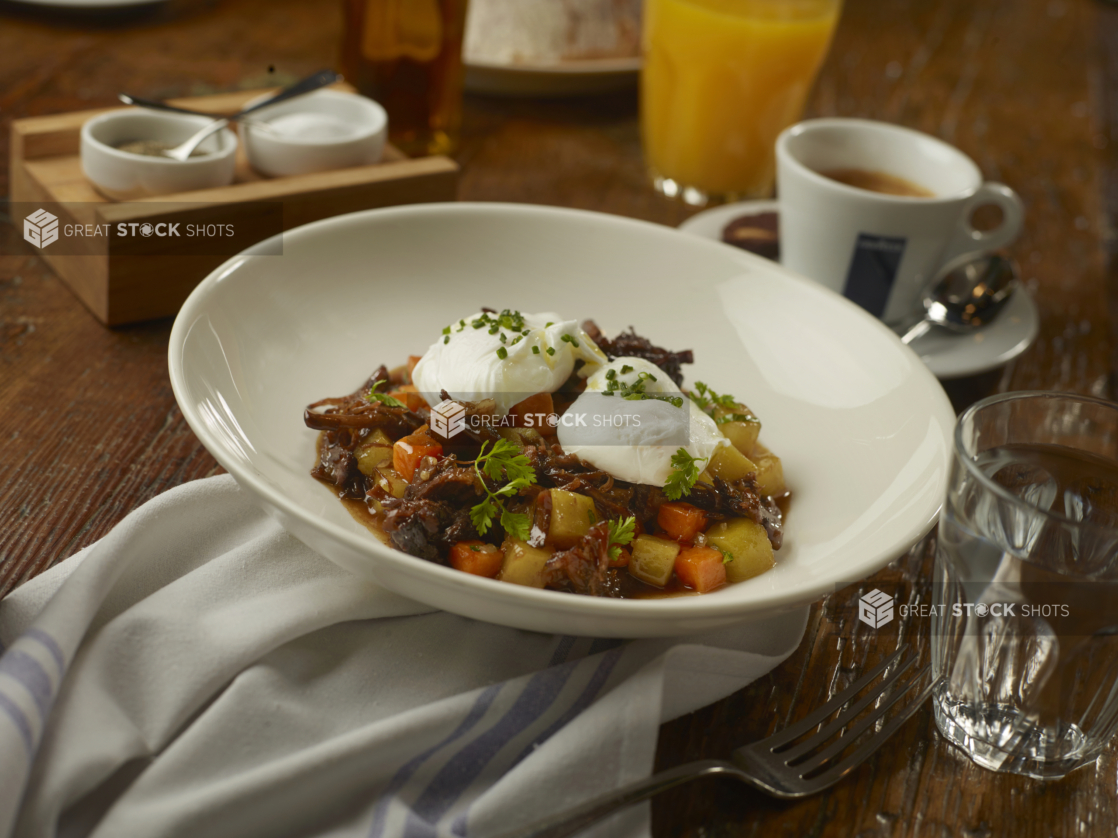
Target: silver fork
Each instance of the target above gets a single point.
(778, 765)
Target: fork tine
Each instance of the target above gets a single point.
(783, 737)
(841, 769)
(839, 722)
(857, 729)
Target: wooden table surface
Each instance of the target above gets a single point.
(90, 429)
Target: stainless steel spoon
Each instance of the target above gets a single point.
(968, 293)
(181, 152)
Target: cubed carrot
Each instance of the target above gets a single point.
(533, 412)
(476, 557)
(681, 521)
(700, 568)
(412, 361)
(410, 450)
(623, 558)
(409, 395)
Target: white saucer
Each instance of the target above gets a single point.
(565, 78)
(947, 355)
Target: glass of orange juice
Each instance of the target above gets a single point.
(721, 79)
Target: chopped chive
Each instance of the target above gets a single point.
(502, 353)
(535, 350)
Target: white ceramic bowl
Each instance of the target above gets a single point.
(123, 176)
(324, 130)
(862, 426)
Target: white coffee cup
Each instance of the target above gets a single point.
(877, 249)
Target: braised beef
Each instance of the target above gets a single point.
(631, 345)
(584, 568)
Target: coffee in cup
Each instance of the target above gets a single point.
(873, 210)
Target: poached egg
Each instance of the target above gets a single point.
(634, 439)
(506, 357)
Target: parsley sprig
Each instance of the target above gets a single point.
(708, 400)
(383, 398)
(621, 532)
(502, 463)
(682, 479)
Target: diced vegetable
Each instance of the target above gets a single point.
(374, 452)
(742, 433)
(533, 411)
(476, 557)
(730, 464)
(681, 521)
(392, 483)
(653, 559)
(747, 545)
(623, 558)
(572, 515)
(770, 471)
(407, 394)
(523, 564)
(521, 437)
(410, 450)
(700, 568)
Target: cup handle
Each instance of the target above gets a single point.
(968, 240)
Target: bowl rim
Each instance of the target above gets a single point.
(490, 589)
(377, 127)
(87, 138)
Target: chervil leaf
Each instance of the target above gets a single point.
(383, 398)
(482, 515)
(682, 479)
(621, 531)
(503, 462)
(516, 524)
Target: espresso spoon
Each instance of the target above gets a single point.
(967, 294)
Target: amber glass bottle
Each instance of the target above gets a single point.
(407, 55)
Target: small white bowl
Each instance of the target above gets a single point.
(324, 130)
(123, 175)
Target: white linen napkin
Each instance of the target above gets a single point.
(199, 672)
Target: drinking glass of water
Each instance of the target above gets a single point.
(1025, 604)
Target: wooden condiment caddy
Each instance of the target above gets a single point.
(122, 287)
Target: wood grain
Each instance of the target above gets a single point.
(1028, 88)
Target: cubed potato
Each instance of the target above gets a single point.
(770, 471)
(374, 452)
(523, 564)
(730, 464)
(521, 437)
(653, 559)
(747, 545)
(391, 482)
(572, 515)
(742, 433)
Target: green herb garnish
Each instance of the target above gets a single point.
(682, 479)
(383, 398)
(502, 463)
(621, 532)
(708, 400)
(636, 390)
(502, 353)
